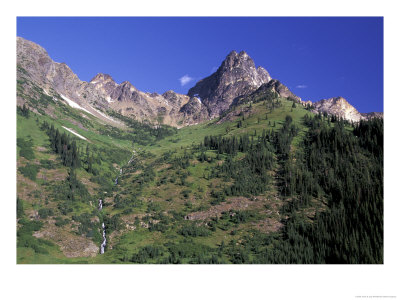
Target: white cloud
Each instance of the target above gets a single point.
(185, 79)
(301, 86)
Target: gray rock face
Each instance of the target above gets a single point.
(35, 64)
(101, 93)
(128, 100)
(338, 106)
(371, 115)
(237, 76)
(194, 111)
(104, 82)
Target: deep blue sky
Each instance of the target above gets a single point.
(315, 57)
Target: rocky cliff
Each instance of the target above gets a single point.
(338, 106)
(236, 78)
(100, 94)
(371, 115)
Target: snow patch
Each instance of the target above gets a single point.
(75, 105)
(105, 116)
(108, 99)
(73, 132)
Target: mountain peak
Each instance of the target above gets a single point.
(101, 77)
(127, 85)
(29, 47)
(338, 106)
(237, 76)
(233, 53)
(337, 101)
(238, 60)
(243, 54)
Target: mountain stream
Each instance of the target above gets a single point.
(104, 243)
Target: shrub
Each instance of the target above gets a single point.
(45, 212)
(30, 171)
(193, 230)
(60, 222)
(25, 148)
(47, 164)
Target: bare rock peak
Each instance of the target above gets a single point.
(169, 94)
(236, 77)
(126, 83)
(338, 106)
(101, 77)
(21, 41)
(233, 53)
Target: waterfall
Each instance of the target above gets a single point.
(104, 243)
(120, 170)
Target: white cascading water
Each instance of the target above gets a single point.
(104, 243)
(100, 204)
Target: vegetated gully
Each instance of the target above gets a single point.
(104, 242)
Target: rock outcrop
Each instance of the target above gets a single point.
(338, 106)
(98, 95)
(235, 79)
(277, 87)
(56, 79)
(237, 76)
(371, 115)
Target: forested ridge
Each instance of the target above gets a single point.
(337, 163)
(346, 168)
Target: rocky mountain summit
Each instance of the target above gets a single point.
(237, 77)
(338, 106)
(130, 101)
(35, 69)
(98, 95)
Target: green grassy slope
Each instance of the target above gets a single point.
(178, 200)
(151, 187)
